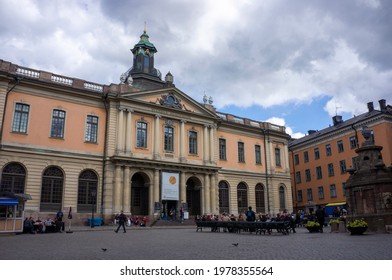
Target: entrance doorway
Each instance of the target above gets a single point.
(193, 196)
(139, 194)
(171, 208)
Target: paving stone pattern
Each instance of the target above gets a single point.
(184, 243)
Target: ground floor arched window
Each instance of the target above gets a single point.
(223, 197)
(52, 189)
(242, 198)
(13, 178)
(282, 198)
(260, 198)
(87, 190)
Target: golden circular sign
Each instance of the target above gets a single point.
(172, 180)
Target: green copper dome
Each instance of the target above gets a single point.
(144, 43)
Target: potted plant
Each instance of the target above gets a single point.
(334, 223)
(357, 227)
(312, 226)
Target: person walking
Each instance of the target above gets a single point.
(320, 216)
(121, 221)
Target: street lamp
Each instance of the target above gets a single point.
(93, 195)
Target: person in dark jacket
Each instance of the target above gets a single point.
(320, 216)
(121, 221)
(250, 215)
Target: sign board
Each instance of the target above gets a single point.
(170, 186)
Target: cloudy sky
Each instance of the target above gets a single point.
(293, 63)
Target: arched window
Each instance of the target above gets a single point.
(223, 197)
(87, 186)
(52, 189)
(260, 202)
(282, 199)
(242, 198)
(13, 178)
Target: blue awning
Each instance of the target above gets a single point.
(8, 202)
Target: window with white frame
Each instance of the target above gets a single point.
(91, 133)
(21, 117)
(58, 124)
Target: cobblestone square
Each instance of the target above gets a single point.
(185, 243)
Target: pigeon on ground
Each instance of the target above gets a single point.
(104, 249)
(235, 244)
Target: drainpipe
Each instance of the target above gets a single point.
(295, 183)
(104, 100)
(17, 81)
(265, 132)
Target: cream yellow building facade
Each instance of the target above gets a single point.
(142, 146)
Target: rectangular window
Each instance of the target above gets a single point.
(328, 150)
(309, 194)
(241, 152)
(299, 196)
(332, 190)
(258, 154)
(355, 162)
(296, 159)
(319, 172)
(58, 123)
(193, 142)
(91, 134)
(342, 164)
(316, 153)
(330, 170)
(298, 177)
(308, 176)
(21, 117)
(340, 146)
(277, 157)
(169, 139)
(353, 142)
(141, 135)
(222, 149)
(306, 156)
(344, 189)
(321, 192)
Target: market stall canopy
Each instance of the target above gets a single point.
(10, 197)
(4, 201)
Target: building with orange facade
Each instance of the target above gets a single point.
(142, 146)
(319, 161)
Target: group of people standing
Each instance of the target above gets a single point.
(123, 220)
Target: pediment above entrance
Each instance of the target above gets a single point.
(171, 98)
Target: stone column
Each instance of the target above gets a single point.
(207, 193)
(120, 131)
(127, 190)
(157, 137)
(117, 189)
(182, 187)
(213, 194)
(156, 185)
(212, 144)
(205, 144)
(128, 133)
(182, 140)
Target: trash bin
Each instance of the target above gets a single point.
(97, 222)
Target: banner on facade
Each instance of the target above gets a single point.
(170, 186)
